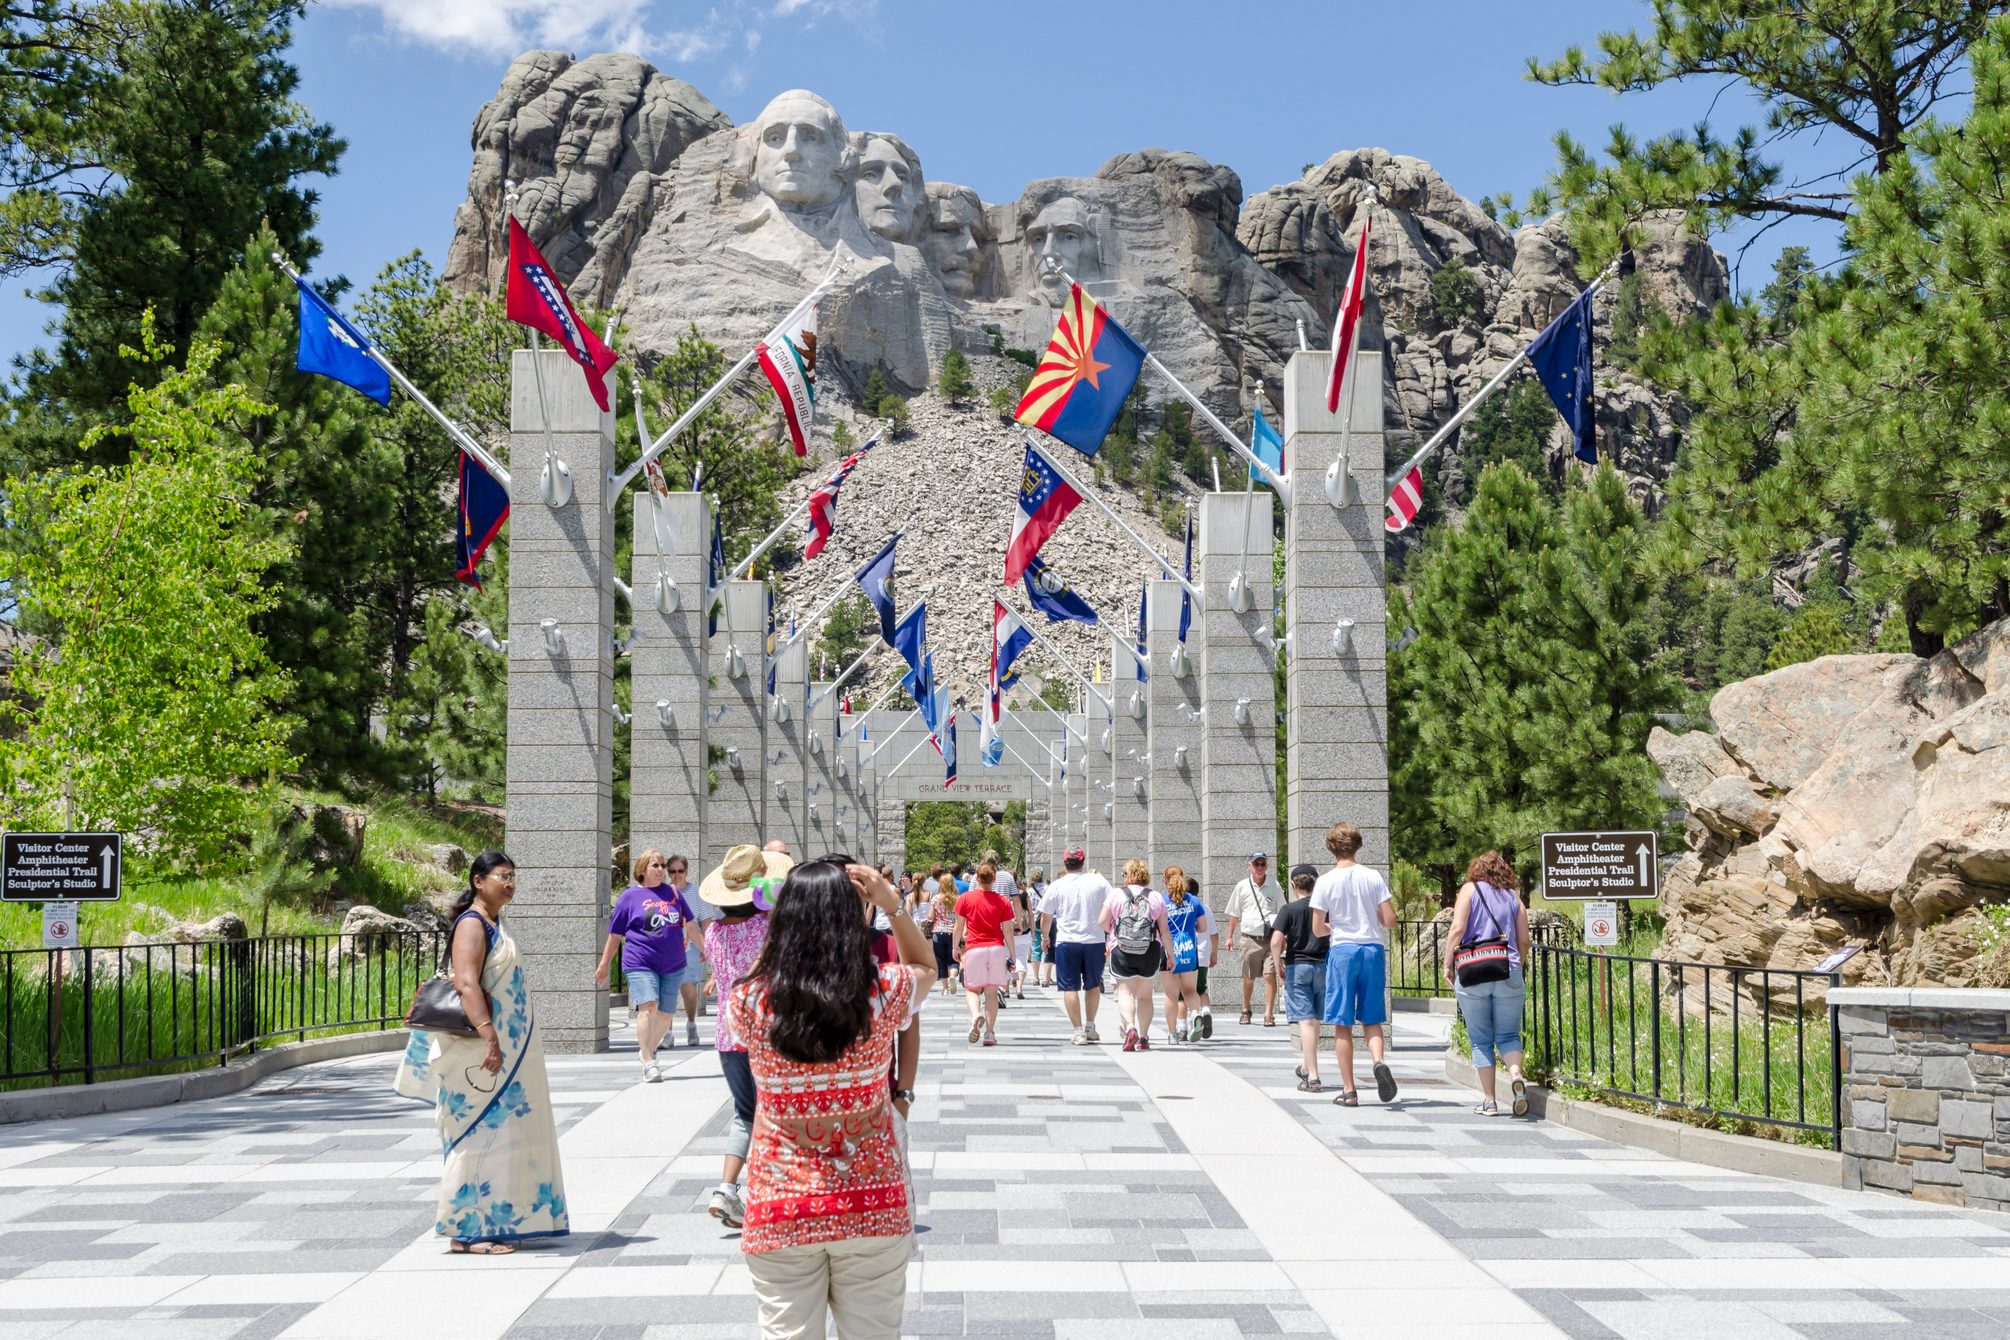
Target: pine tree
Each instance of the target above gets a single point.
(954, 384)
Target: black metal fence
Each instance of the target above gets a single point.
(1755, 1045)
(112, 1011)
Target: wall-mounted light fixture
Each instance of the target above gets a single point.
(1242, 711)
(1343, 638)
(666, 714)
(554, 637)
(668, 598)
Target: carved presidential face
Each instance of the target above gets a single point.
(889, 192)
(955, 242)
(799, 151)
(1062, 241)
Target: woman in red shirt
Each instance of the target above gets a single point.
(829, 1226)
(983, 923)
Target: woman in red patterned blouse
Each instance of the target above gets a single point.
(829, 1229)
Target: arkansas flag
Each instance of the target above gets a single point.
(791, 365)
(1045, 499)
(532, 296)
(1347, 321)
(1405, 500)
(823, 502)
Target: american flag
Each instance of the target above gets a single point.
(1405, 500)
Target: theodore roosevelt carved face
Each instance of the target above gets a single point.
(957, 232)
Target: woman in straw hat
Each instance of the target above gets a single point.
(732, 945)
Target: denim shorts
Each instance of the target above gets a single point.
(649, 988)
(1304, 991)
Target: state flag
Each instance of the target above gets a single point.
(1143, 658)
(532, 296)
(790, 362)
(823, 502)
(910, 640)
(1050, 594)
(1045, 499)
(1079, 386)
(1405, 500)
(1268, 444)
(1347, 321)
(1561, 356)
(948, 747)
(483, 507)
(1186, 596)
(331, 347)
(876, 580)
(1009, 639)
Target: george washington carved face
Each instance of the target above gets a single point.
(800, 151)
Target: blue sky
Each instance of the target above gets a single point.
(989, 95)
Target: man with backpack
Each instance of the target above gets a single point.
(1136, 916)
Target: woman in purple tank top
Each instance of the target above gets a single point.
(1490, 908)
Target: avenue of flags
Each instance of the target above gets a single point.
(1080, 384)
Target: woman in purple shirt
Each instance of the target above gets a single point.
(653, 923)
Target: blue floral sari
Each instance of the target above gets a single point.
(502, 1182)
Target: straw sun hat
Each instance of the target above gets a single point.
(731, 883)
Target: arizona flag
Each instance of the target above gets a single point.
(484, 506)
(1405, 500)
(791, 366)
(1079, 387)
(823, 502)
(532, 296)
(1045, 499)
(1347, 321)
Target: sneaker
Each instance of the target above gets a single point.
(726, 1207)
(1093, 1035)
(1207, 1023)
(991, 1039)
(691, 1033)
(1385, 1083)
(652, 1074)
(1144, 1042)
(1130, 1039)
(1081, 1038)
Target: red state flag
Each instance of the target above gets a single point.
(1347, 321)
(532, 296)
(1405, 500)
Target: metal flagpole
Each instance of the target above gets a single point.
(953, 714)
(845, 674)
(1024, 764)
(891, 734)
(617, 483)
(776, 534)
(1056, 652)
(824, 609)
(1494, 383)
(1090, 495)
(461, 436)
(884, 694)
(555, 485)
(1063, 720)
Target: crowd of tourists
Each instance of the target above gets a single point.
(819, 971)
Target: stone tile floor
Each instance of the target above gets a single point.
(1061, 1192)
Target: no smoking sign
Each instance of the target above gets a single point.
(1601, 923)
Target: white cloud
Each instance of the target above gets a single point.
(507, 27)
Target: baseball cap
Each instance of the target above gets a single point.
(1074, 854)
(1256, 856)
(1299, 872)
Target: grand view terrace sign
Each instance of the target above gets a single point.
(60, 867)
(1600, 866)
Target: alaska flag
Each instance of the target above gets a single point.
(331, 347)
(484, 506)
(1045, 499)
(876, 580)
(1561, 356)
(1185, 596)
(532, 296)
(1268, 444)
(1053, 597)
(1079, 387)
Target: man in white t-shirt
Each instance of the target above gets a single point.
(1071, 914)
(1352, 905)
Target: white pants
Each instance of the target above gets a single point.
(861, 1282)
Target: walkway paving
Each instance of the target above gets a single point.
(1072, 1193)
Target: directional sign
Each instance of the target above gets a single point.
(1601, 924)
(1598, 866)
(59, 925)
(60, 867)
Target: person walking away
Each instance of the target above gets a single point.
(656, 931)
(1351, 904)
(732, 945)
(1303, 957)
(502, 1183)
(1203, 1010)
(1043, 952)
(943, 932)
(984, 919)
(1135, 916)
(1489, 908)
(1251, 906)
(830, 1225)
(1190, 932)
(695, 992)
(1072, 911)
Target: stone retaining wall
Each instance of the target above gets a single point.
(1926, 1096)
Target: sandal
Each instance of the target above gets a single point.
(1308, 1085)
(1489, 1108)
(1270, 1021)
(484, 1248)
(1347, 1098)
(1299, 1071)
(1519, 1087)
(1245, 1017)
(976, 1031)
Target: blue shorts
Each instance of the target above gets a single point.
(660, 988)
(1357, 980)
(1304, 991)
(1078, 967)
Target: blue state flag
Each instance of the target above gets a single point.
(910, 639)
(949, 751)
(484, 506)
(715, 579)
(876, 580)
(1561, 357)
(1268, 444)
(1143, 659)
(1185, 596)
(331, 347)
(1050, 594)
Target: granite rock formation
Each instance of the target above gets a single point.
(1851, 799)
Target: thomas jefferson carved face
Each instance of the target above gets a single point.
(800, 150)
(889, 191)
(1062, 240)
(955, 242)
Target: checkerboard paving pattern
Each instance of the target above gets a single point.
(1061, 1192)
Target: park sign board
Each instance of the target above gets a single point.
(1599, 866)
(60, 867)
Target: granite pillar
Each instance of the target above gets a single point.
(669, 675)
(559, 775)
(1172, 737)
(788, 749)
(737, 724)
(823, 828)
(1130, 772)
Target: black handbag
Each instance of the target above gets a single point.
(1477, 962)
(436, 1005)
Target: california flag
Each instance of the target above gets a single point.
(791, 364)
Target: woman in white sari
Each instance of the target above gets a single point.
(492, 1103)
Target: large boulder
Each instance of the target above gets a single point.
(1852, 799)
(367, 932)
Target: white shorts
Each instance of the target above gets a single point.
(1022, 950)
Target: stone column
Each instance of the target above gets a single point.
(1336, 712)
(850, 810)
(1172, 738)
(1101, 796)
(736, 813)
(822, 831)
(1132, 778)
(560, 733)
(1239, 806)
(668, 671)
(788, 752)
